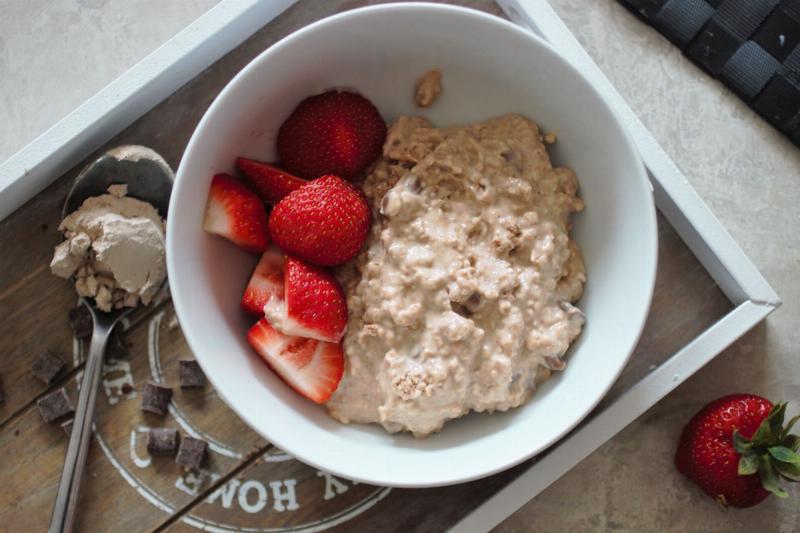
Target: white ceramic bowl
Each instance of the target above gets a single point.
(490, 67)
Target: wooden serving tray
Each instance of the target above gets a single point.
(247, 484)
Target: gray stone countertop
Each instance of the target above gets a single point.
(56, 53)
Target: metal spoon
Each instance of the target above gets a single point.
(148, 178)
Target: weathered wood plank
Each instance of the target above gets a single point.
(35, 319)
(119, 469)
(29, 234)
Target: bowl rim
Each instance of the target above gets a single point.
(649, 260)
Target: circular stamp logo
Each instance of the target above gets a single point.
(245, 484)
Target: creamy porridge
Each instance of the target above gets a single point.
(462, 299)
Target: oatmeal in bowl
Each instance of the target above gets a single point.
(463, 298)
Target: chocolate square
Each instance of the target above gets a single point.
(779, 102)
(749, 70)
(191, 453)
(779, 35)
(162, 441)
(190, 374)
(681, 20)
(713, 47)
(47, 366)
(55, 405)
(155, 398)
(80, 320)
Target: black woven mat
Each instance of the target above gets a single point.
(752, 46)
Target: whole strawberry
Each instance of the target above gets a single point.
(324, 222)
(737, 449)
(336, 132)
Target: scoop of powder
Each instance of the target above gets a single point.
(114, 245)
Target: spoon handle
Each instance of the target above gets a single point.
(63, 516)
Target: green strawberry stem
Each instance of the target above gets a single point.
(772, 452)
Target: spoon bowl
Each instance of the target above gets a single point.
(144, 171)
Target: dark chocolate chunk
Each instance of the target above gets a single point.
(80, 319)
(126, 388)
(155, 398)
(47, 366)
(67, 426)
(117, 348)
(162, 441)
(2, 392)
(190, 374)
(191, 453)
(681, 20)
(55, 405)
(749, 70)
(779, 102)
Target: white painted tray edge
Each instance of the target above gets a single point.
(724, 260)
(130, 96)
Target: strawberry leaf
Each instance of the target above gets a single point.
(741, 444)
(769, 477)
(792, 442)
(775, 417)
(784, 455)
(748, 464)
(788, 471)
(788, 427)
(763, 435)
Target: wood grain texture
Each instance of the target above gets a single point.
(246, 483)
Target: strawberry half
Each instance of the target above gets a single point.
(265, 283)
(336, 132)
(324, 222)
(313, 306)
(235, 212)
(311, 367)
(271, 183)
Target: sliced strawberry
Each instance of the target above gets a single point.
(324, 222)
(336, 132)
(235, 212)
(314, 305)
(311, 367)
(265, 283)
(271, 183)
